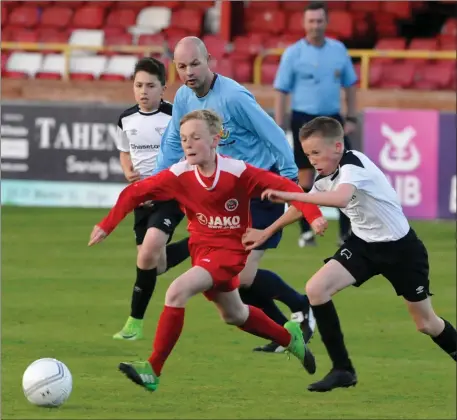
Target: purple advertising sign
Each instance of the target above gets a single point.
(447, 167)
(404, 144)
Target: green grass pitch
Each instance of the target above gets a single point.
(62, 299)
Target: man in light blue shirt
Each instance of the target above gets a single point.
(313, 71)
(249, 134)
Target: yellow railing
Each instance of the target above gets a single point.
(68, 49)
(365, 56)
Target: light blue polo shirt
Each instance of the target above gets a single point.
(314, 76)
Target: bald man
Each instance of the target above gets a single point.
(249, 134)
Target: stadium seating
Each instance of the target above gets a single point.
(266, 24)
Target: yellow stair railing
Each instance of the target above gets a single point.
(365, 56)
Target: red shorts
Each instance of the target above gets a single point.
(223, 265)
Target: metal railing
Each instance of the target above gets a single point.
(365, 56)
(68, 50)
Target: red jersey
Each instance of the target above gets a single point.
(217, 207)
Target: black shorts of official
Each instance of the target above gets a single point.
(162, 215)
(404, 263)
(297, 122)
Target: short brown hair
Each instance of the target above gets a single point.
(152, 66)
(212, 119)
(317, 5)
(326, 127)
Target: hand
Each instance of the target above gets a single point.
(132, 176)
(349, 127)
(275, 196)
(253, 238)
(97, 236)
(319, 225)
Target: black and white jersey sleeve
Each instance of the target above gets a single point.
(374, 210)
(140, 133)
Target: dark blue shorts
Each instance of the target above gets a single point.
(263, 214)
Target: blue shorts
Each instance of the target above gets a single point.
(263, 214)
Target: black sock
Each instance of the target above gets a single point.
(345, 225)
(329, 327)
(177, 252)
(304, 225)
(271, 286)
(267, 305)
(447, 340)
(142, 291)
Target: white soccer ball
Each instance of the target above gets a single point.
(47, 383)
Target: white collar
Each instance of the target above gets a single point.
(216, 177)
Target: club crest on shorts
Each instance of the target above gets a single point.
(231, 205)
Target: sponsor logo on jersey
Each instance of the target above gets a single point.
(231, 205)
(219, 222)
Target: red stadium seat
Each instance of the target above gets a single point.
(433, 76)
(56, 17)
(24, 17)
(188, 19)
(121, 18)
(81, 76)
(294, 5)
(200, 5)
(423, 44)
(223, 66)
(169, 4)
(52, 35)
(5, 56)
(375, 75)
(136, 5)
(88, 17)
(112, 77)
(385, 24)
(24, 35)
(337, 5)
(15, 75)
(216, 46)
(340, 23)
(389, 44)
(397, 75)
(400, 9)
(4, 14)
(73, 4)
(117, 40)
(295, 23)
(155, 39)
(243, 71)
(450, 27)
(247, 46)
(264, 5)
(103, 4)
(447, 43)
(271, 21)
(365, 6)
(38, 3)
(48, 76)
(269, 73)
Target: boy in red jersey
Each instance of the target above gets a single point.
(215, 192)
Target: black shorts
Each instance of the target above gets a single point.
(163, 215)
(404, 263)
(297, 121)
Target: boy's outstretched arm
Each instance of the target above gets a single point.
(159, 187)
(340, 197)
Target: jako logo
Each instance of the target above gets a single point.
(346, 253)
(231, 205)
(217, 222)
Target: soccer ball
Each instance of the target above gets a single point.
(47, 383)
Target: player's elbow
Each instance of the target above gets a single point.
(343, 201)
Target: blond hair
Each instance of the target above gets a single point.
(211, 118)
(326, 127)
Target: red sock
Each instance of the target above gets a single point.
(169, 329)
(260, 325)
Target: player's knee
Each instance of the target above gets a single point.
(237, 318)
(148, 258)
(176, 297)
(315, 292)
(429, 326)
